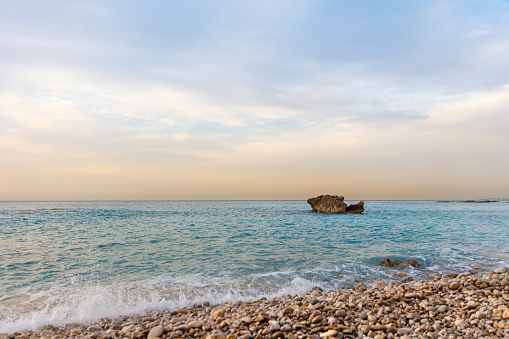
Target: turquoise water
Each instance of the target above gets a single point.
(64, 262)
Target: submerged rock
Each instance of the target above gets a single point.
(334, 204)
(389, 263)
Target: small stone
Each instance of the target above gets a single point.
(329, 333)
(454, 285)
(246, 320)
(414, 263)
(442, 309)
(404, 331)
(76, 331)
(218, 313)
(411, 295)
(392, 327)
(340, 313)
(94, 328)
(480, 315)
(286, 328)
(195, 324)
(288, 310)
(505, 315)
(471, 305)
(316, 320)
(156, 332)
(500, 270)
(259, 318)
(378, 327)
(182, 328)
(461, 324)
(364, 329)
(181, 311)
(48, 333)
(278, 334)
(372, 318)
(358, 280)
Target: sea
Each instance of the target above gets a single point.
(78, 262)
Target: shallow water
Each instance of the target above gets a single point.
(64, 262)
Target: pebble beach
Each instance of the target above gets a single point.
(473, 304)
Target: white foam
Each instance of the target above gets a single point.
(86, 304)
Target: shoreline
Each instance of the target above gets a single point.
(472, 304)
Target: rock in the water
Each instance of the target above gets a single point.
(414, 263)
(391, 263)
(334, 204)
(356, 208)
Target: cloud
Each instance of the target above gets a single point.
(397, 96)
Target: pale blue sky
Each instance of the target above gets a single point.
(254, 99)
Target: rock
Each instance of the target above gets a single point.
(356, 208)
(329, 333)
(404, 331)
(471, 305)
(288, 310)
(218, 313)
(454, 285)
(498, 270)
(156, 332)
(94, 328)
(48, 333)
(389, 263)
(286, 328)
(341, 313)
(334, 204)
(246, 320)
(414, 263)
(195, 324)
(505, 315)
(442, 309)
(76, 331)
(480, 315)
(316, 320)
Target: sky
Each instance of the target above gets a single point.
(260, 99)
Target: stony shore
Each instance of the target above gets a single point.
(473, 304)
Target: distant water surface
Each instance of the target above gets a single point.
(64, 262)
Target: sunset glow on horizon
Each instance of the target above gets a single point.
(128, 100)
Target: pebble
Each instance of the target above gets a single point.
(469, 305)
(317, 319)
(454, 285)
(156, 332)
(288, 310)
(404, 331)
(500, 269)
(329, 333)
(94, 328)
(195, 324)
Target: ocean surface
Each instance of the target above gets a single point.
(63, 262)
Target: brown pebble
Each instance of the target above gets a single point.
(454, 285)
(316, 320)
